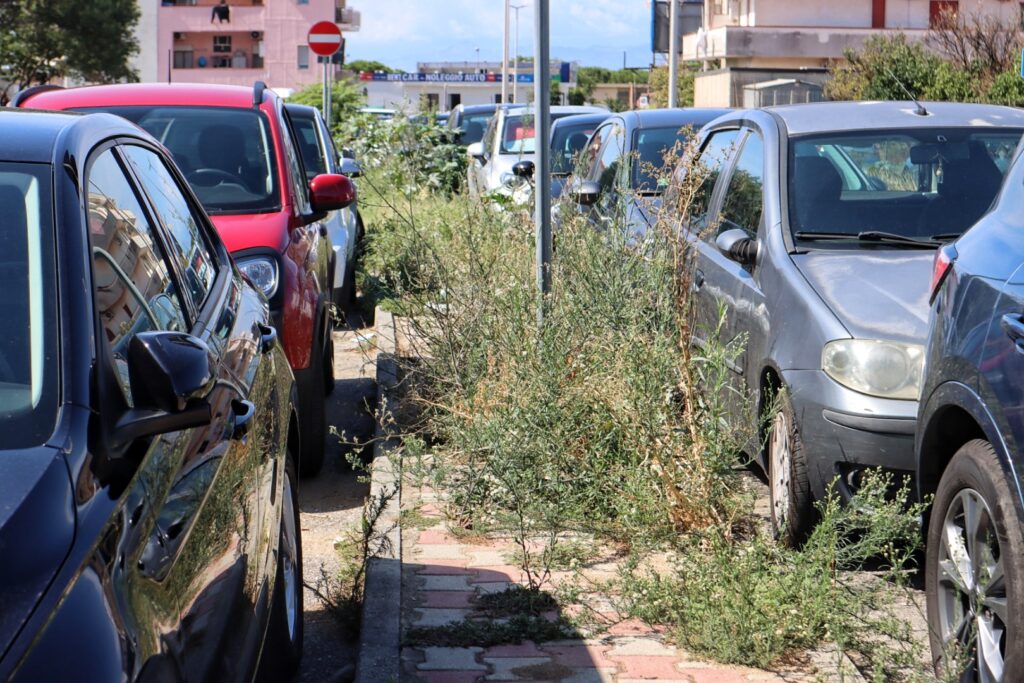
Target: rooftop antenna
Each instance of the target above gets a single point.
(919, 110)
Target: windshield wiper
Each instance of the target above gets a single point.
(947, 236)
(869, 236)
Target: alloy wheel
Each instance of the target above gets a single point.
(971, 588)
(780, 470)
(292, 582)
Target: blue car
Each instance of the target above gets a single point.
(970, 444)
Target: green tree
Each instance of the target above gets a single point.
(346, 99)
(587, 77)
(41, 40)
(883, 69)
(369, 65)
(659, 86)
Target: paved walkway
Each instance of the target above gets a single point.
(443, 577)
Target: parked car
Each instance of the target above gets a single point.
(815, 228)
(344, 226)
(149, 519)
(470, 121)
(509, 139)
(970, 444)
(236, 148)
(379, 113)
(618, 180)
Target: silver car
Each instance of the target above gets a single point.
(508, 140)
(344, 227)
(815, 230)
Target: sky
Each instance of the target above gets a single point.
(401, 33)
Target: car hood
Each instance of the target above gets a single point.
(37, 527)
(249, 231)
(875, 293)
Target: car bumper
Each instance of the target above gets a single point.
(844, 432)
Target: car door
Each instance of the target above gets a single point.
(215, 523)
(348, 214)
(1002, 361)
(608, 171)
(730, 285)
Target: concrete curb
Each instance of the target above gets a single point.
(380, 633)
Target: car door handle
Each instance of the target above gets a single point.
(698, 279)
(268, 336)
(243, 414)
(1013, 326)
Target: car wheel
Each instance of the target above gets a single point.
(791, 502)
(283, 650)
(329, 361)
(973, 569)
(313, 416)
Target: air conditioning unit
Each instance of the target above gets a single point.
(256, 35)
(178, 35)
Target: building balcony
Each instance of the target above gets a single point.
(768, 43)
(196, 18)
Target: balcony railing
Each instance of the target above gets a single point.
(196, 18)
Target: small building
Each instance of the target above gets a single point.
(781, 91)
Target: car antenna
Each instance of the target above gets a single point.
(920, 111)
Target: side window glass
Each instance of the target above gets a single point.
(609, 160)
(707, 168)
(132, 286)
(309, 146)
(298, 176)
(188, 250)
(743, 199)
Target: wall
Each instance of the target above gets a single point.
(145, 61)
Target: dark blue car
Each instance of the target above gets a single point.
(970, 444)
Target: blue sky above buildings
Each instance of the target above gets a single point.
(401, 33)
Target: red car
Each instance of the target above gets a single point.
(236, 148)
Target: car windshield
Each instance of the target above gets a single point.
(517, 137)
(28, 356)
(926, 183)
(566, 143)
(473, 127)
(309, 146)
(225, 153)
(651, 145)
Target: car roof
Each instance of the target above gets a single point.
(29, 136)
(476, 108)
(134, 94)
(819, 117)
(303, 110)
(514, 109)
(579, 119)
(663, 118)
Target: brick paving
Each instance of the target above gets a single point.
(442, 578)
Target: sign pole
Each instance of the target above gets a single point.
(542, 135)
(673, 55)
(327, 91)
(504, 59)
(324, 41)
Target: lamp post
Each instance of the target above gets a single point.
(515, 57)
(542, 134)
(673, 55)
(504, 58)
(477, 60)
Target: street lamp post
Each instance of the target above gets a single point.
(542, 145)
(504, 58)
(515, 57)
(673, 55)
(477, 60)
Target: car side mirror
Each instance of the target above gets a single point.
(350, 167)
(476, 150)
(347, 153)
(586, 192)
(737, 245)
(330, 192)
(524, 169)
(169, 373)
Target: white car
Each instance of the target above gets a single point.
(344, 227)
(509, 139)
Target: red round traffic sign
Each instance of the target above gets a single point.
(324, 38)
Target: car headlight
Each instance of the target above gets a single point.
(877, 368)
(261, 271)
(510, 179)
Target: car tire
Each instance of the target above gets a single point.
(313, 415)
(283, 650)
(792, 505)
(975, 480)
(329, 361)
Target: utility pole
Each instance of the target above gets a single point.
(504, 58)
(515, 57)
(542, 143)
(673, 54)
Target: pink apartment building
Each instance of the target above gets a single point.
(182, 41)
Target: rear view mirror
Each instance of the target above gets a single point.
(586, 192)
(351, 167)
(737, 245)
(169, 374)
(476, 150)
(330, 192)
(523, 169)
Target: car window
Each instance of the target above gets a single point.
(742, 201)
(608, 163)
(29, 386)
(297, 174)
(651, 145)
(708, 166)
(518, 135)
(132, 285)
(472, 127)
(566, 144)
(309, 146)
(188, 248)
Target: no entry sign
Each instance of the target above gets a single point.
(324, 38)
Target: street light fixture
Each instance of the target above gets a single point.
(477, 60)
(515, 57)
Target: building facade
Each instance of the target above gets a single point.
(192, 41)
(743, 43)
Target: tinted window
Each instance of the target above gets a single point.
(608, 164)
(309, 147)
(707, 167)
(566, 143)
(473, 127)
(916, 183)
(28, 342)
(195, 262)
(225, 153)
(743, 198)
(651, 145)
(131, 284)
